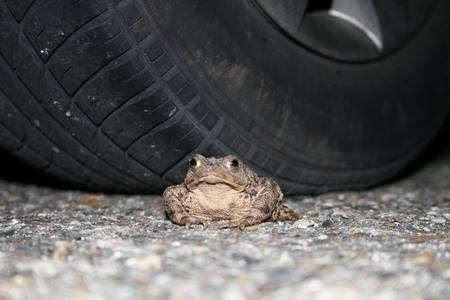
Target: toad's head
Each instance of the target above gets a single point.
(209, 173)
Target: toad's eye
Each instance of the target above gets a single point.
(192, 162)
(234, 163)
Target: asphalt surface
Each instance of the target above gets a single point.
(389, 242)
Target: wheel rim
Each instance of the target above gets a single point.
(348, 30)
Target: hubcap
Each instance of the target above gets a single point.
(348, 30)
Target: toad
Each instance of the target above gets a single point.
(225, 190)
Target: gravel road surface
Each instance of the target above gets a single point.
(390, 242)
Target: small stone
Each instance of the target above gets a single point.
(313, 212)
(151, 262)
(333, 232)
(389, 197)
(75, 223)
(95, 202)
(20, 280)
(322, 237)
(358, 234)
(438, 220)
(327, 223)
(303, 223)
(62, 251)
(233, 292)
(44, 51)
(421, 238)
(338, 212)
(96, 251)
(425, 257)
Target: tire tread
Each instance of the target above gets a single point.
(96, 96)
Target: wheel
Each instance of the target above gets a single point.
(116, 95)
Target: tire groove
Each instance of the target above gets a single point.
(76, 31)
(159, 79)
(95, 74)
(104, 161)
(13, 135)
(208, 136)
(99, 70)
(205, 142)
(52, 142)
(131, 77)
(124, 103)
(55, 121)
(160, 126)
(151, 87)
(27, 10)
(72, 103)
(155, 129)
(23, 144)
(145, 133)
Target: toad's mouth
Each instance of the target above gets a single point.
(215, 180)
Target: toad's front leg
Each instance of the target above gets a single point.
(266, 205)
(175, 210)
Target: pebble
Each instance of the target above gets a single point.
(151, 262)
(304, 223)
(62, 250)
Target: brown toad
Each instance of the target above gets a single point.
(225, 189)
